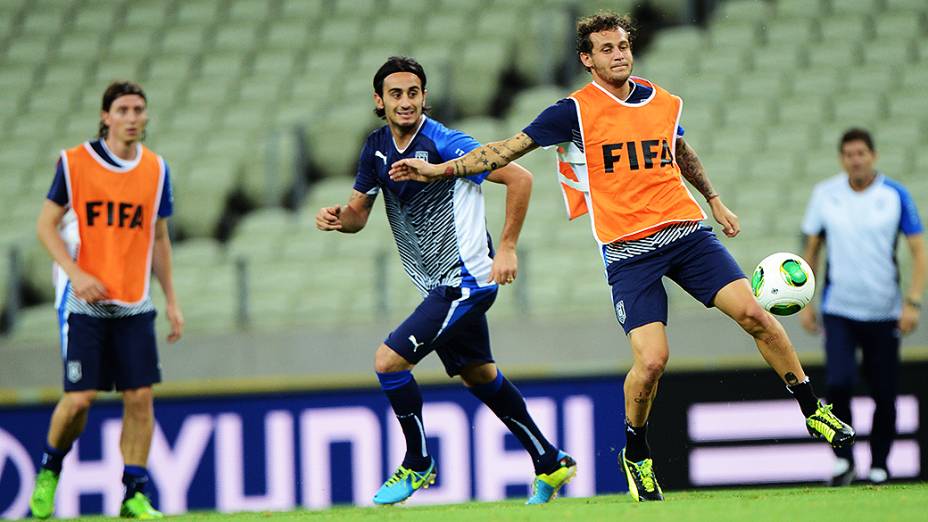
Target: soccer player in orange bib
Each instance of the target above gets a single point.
(624, 165)
(120, 194)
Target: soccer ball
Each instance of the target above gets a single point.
(783, 283)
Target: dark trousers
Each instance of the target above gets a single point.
(879, 344)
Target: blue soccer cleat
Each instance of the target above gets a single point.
(403, 483)
(546, 485)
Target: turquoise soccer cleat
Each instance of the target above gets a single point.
(403, 483)
(546, 485)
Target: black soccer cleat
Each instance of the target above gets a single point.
(642, 482)
(824, 425)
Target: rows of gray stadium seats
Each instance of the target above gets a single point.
(767, 86)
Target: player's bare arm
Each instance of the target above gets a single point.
(348, 218)
(813, 244)
(912, 304)
(691, 169)
(84, 285)
(491, 156)
(518, 182)
(162, 267)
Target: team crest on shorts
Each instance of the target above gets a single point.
(620, 311)
(422, 154)
(74, 371)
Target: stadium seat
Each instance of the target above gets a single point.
(726, 62)
(181, 39)
(816, 83)
(272, 67)
(747, 112)
(771, 85)
(805, 110)
(787, 58)
(863, 7)
(485, 60)
(823, 162)
(248, 11)
(734, 36)
(481, 128)
(792, 138)
(200, 13)
(304, 12)
(901, 26)
(885, 52)
(862, 110)
(803, 9)
(916, 7)
(829, 56)
(288, 34)
(117, 69)
(145, 15)
(741, 12)
(240, 38)
(789, 33)
(844, 29)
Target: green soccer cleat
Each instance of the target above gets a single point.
(824, 425)
(139, 507)
(403, 483)
(42, 502)
(546, 485)
(642, 482)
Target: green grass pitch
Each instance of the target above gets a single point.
(899, 502)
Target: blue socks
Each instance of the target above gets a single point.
(52, 458)
(135, 478)
(505, 400)
(403, 392)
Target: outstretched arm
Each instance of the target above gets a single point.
(348, 218)
(518, 183)
(691, 169)
(491, 156)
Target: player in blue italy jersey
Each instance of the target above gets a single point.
(859, 215)
(440, 232)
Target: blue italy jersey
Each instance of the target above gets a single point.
(861, 230)
(440, 227)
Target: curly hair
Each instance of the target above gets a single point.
(601, 21)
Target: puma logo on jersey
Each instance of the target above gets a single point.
(381, 156)
(118, 213)
(415, 344)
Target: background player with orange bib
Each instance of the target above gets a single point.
(120, 193)
(629, 179)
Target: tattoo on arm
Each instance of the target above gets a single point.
(367, 202)
(692, 169)
(791, 378)
(492, 156)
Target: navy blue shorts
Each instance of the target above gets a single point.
(698, 263)
(105, 353)
(451, 321)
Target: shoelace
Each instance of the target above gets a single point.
(398, 475)
(646, 474)
(828, 417)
